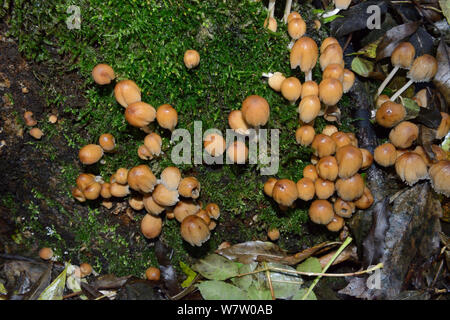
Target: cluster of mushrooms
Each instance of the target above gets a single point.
(172, 193)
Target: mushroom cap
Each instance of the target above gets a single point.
(444, 126)
(237, 152)
(237, 122)
(291, 89)
(84, 179)
(136, 202)
(127, 92)
(189, 187)
(329, 129)
(271, 24)
(214, 144)
(323, 145)
(255, 110)
(105, 191)
(164, 196)
(349, 159)
(403, 55)
(268, 186)
(421, 98)
(275, 81)
(423, 69)
(151, 206)
(90, 154)
(310, 88)
(213, 210)
(92, 191)
(309, 108)
(194, 230)
(440, 177)
(171, 177)
(421, 152)
(304, 54)
(204, 216)
(389, 114)
(365, 201)
(367, 158)
(310, 172)
(404, 134)
(326, 42)
(305, 135)
(167, 116)
(85, 269)
(411, 168)
(153, 143)
(342, 4)
(331, 54)
(343, 208)
(273, 234)
(285, 192)
(336, 224)
(353, 140)
(141, 179)
(341, 139)
(36, 133)
(152, 274)
(351, 188)
(139, 114)
(296, 28)
(330, 91)
(321, 212)
(144, 153)
(324, 188)
(382, 98)
(45, 253)
(151, 226)
(185, 208)
(191, 58)
(306, 189)
(349, 80)
(118, 190)
(78, 194)
(107, 142)
(29, 121)
(103, 74)
(293, 15)
(121, 176)
(327, 168)
(335, 71)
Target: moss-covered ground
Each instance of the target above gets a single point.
(145, 41)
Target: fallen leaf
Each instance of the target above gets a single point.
(445, 6)
(422, 41)
(393, 37)
(219, 290)
(190, 274)
(168, 274)
(425, 139)
(299, 295)
(245, 282)
(442, 78)
(311, 264)
(55, 290)
(216, 267)
(362, 67)
(257, 293)
(40, 285)
(285, 285)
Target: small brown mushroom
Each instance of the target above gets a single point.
(285, 192)
(194, 230)
(191, 58)
(90, 154)
(127, 92)
(103, 74)
(167, 117)
(189, 188)
(151, 226)
(321, 212)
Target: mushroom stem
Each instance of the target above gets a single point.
(330, 13)
(291, 44)
(287, 10)
(386, 81)
(271, 8)
(308, 75)
(399, 92)
(267, 75)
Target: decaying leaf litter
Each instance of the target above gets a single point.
(262, 270)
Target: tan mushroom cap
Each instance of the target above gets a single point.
(273, 234)
(330, 91)
(237, 122)
(141, 179)
(255, 110)
(237, 152)
(105, 191)
(291, 89)
(92, 191)
(90, 154)
(213, 210)
(121, 176)
(185, 208)
(382, 98)
(310, 172)
(285, 192)
(194, 230)
(127, 92)
(411, 168)
(404, 134)
(365, 201)
(296, 28)
(324, 188)
(351, 188)
(84, 179)
(151, 206)
(136, 202)
(103, 74)
(304, 54)
(423, 69)
(167, 117)
(118, 190)
(204, 216)
(293, 15)
(276, 80)
(107, 142)
(341, 139)
(323, 145)
(309, 108)
(385, 154)
(321, 212)
(342, 4)
(78, 194)
(171, 177)
(268, 186)
(326, 42)
(403, 55)
(343, 208)
(335, 71)
(29, 120)
(214, 144)
(367, 158)
(36, 133)
(189, 187)
(440, 177)
(305, 135)
(164, 196)
(306, 189)
(153, 274)
(85, 269)
(349, 159)
(45, 253)
(336, 224)
(327, 168)
(390, 114)
(349, 80)
(140, 114)
(151, 226)
(153, 143)
(444, 126)
(310, 88)
(331, 54)
(329, 130)
(271, 24)
(191, 58)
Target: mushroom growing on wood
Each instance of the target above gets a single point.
(411, 168)
(268, 186)
(255, 110)
(385, 154)
(275, 80)
(189, 187)
(305, 135)
(296, 29)
(389, 114)
(142, 179)
(306, 189)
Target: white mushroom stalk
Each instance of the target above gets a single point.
(271, 8)
(387, 80)
(340, 5)
(287, 10)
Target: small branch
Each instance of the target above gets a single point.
(269, 280)
(73, 294)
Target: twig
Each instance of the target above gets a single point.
(338, 252)
(73, 294)
(269, 281)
